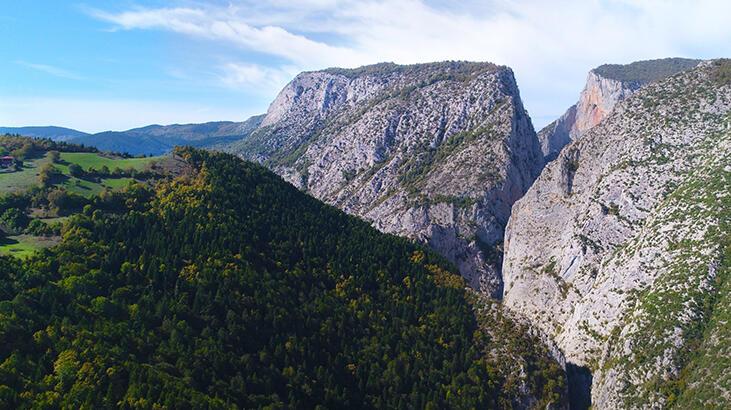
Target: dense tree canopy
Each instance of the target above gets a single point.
(228, 288)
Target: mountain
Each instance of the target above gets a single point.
(619, 252)
(54, 133)
(160, 139)
(226, 287)
(435, 152)
(606, 85)
(149, 140)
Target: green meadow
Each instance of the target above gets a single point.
(27, 177)
(22, 246)
(17, 181)
(88, 160)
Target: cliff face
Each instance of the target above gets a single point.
(598, 99)
(617, 251)
(436, 152)
(605, 86)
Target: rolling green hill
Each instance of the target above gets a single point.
(54, 133)
(160, 139)
(148, 140)
(26, 176)
(95, 160)
(96, 173)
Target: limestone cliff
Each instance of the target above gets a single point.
(620, 250)
(605, 87)
(435, 152)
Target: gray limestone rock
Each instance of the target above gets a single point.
(435, 152)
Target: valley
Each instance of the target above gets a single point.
(390, 236)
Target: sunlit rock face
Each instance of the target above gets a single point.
(605, 86)
(436, 152)
(614, 252)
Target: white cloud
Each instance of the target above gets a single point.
(550, 45)
(109, 114)
(52, 70)
(226, 25)
(257, 78)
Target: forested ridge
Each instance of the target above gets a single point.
(228, 288)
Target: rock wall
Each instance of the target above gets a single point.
(611, 252)
(435, 152)
(605, 86)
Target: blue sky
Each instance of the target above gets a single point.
(100, 65)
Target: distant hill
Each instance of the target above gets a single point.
(646, 71)
(159, 139)
(54, 133)
(149, 140)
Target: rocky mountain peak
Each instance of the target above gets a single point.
(605, 86)
(315, 95)
(436, 152)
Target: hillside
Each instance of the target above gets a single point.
(149, 140)
(33, 157)
(606, 86)
(53, 133)
(47, 180)
(435, 152)
(228, 288)
(619, 251)
(160, 139)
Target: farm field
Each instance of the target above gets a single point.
(89, 188)
(53, 220)
(24, 179)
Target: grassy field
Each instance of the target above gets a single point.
(28, 176)
(116, 183)
(50, 221)
(88, 160)
(88, 188)
(24, 179)
(22, 246)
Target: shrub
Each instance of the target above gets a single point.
(76, 171)
(13, 220)
(48, 174)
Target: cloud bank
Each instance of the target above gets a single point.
(550, 45)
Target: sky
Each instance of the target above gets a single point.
(114, 65)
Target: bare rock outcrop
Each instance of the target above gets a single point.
(605, 86)
(435, 152)
(615, 252)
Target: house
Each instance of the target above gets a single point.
(7, 161)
